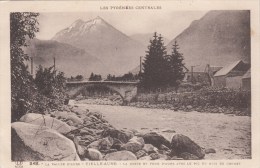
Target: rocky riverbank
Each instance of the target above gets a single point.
(76, 134)
(164, 105)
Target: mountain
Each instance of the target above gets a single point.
(145, 38)
(218, 38)
(69, 59)
(118, 51)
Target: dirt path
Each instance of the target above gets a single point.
(229, 135)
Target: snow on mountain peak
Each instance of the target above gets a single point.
(83, 28)
(77, 23)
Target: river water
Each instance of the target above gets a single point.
(229, 135)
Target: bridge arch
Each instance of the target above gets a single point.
(86, 87)
(126, 90)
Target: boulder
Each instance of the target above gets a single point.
(102, 144)
(65, 108)
(71, 102)
(118, 134)
(163, 157)
(43, 120)
(181, 143)
(117, 144)
(76, 120)
(80, 149)
(94, 145)
(149, 148)
(70, 123)
(154, 156)
(120, 155)
(79, 111)
(188, 156)
(31, 142)
(155, 139)
(96, 114)
(94, 154)
(145, 158)
(86, 119)
(136, 139)
(132, 146)
(105, 143)
(60, 114)
(140, 153)
(88, 137)
(189, 107)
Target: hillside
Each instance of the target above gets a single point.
(218, 38)
(69, 59)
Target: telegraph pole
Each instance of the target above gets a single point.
(140, 64)
(192, 74)
(192, 80)
(54, 66)
(32, 66)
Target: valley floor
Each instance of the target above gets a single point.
(229, 135)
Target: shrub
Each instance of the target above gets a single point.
(51, 89)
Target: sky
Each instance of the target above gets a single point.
(169, 24)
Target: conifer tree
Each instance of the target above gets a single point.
(91, 78)
(155, 66)
(175, 61)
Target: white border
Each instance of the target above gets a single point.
(83, 6)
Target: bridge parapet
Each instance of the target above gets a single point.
(127, 90)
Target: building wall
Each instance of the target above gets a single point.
(246, 84)
(234, 82)
(219, 81)
(200, 77)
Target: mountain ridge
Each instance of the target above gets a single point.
(219, 38)
(69, 59)
(103, 41)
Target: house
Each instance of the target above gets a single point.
(230, 76)
(197, 77)
(205, 77)
(246, 80)
(212, 70)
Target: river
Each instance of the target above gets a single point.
(229, 135)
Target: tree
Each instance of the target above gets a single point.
(175, 61)
(91, 78)
(155, 65)
(79, 77)
(109, 77)
(23, 26)
(51, 88)
(95, 77)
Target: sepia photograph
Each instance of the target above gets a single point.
(84, 89)
(131, 82)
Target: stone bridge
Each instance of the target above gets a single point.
(127, 90)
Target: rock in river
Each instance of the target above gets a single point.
(181, 143)
(155, 139)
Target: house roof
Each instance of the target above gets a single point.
(215, 68)
(247, 74)
(226, 69)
